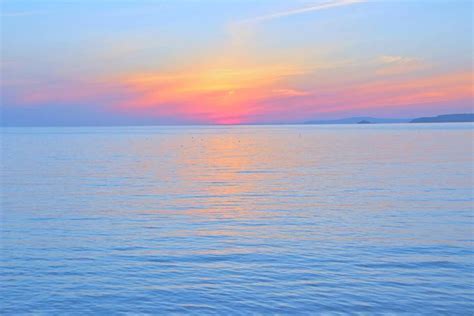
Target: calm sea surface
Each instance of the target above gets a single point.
(238, 220)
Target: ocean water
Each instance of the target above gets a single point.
(237, 220)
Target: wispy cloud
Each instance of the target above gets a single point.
(316, 7)
(396, 65)
(389, 59)
(21, 13)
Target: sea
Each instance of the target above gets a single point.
(237, 220)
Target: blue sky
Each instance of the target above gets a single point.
(232, 62)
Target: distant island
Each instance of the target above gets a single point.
(359, 120)
(448, 118)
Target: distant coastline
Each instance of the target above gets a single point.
(446, 118)
(363, 120)
(358, 119)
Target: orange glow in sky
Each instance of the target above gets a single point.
(240, 62)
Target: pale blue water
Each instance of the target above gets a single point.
(238, 220)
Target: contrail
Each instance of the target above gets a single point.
(321, 6)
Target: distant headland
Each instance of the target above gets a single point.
(446, 118)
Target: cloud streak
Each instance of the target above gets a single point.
(317, 7)
(399, 65)
(21, 13)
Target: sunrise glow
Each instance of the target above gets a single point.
(248, 63)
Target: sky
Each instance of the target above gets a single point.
(139, 62)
